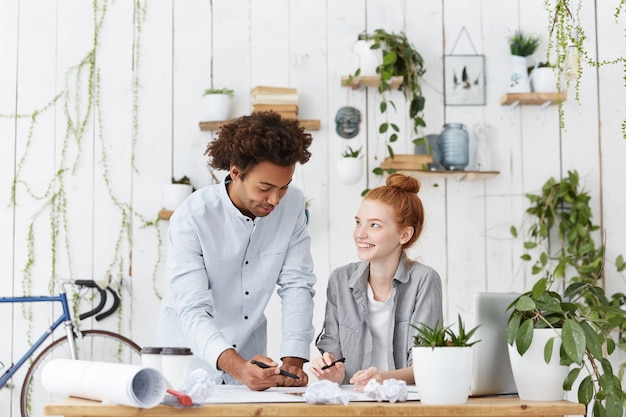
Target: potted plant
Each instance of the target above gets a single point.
(543, 78)
(176, 192)
(400, 58)
(522, 47)
(581, 318)
(442, 363)
(350, 166)
(218, 103)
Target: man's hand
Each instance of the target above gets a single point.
(294, 365)
(257, 378)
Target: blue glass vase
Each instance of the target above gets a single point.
(454, 147)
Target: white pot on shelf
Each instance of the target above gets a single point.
(174, 194)
(543, 80)
(443, 374)
(217, 107)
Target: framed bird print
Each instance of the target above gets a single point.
(464, 80)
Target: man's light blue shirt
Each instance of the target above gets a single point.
(223, 268)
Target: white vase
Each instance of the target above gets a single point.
(535, 379)
(443, 375)
(174, 194)
(369, 59)
(543, 80)
(519, 82)
(217, 107)
(349, 170)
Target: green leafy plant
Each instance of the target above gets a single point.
(439, 336)
(566, 47)
(228, 91)
(351, 153)
(561, 216)
(182, 180)
(400, 59)
(522, 44)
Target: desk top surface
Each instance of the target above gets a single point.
(484, 406)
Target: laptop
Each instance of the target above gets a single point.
(491, 371)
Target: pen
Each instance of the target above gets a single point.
(284, 373)
(333, 363)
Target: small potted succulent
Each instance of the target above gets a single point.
(350, 166)
(176, 192)
(218, 103)
(442, 363)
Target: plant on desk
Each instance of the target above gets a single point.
(442, 363)
(582, 320)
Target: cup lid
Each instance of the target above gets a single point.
(151, 350)
(175, 351)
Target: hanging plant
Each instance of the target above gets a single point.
(566, 47)
(400, 58)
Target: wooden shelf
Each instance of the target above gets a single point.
(457, 175)
(414, 165)
(165, 214)
(368, 81)
(536, 99)
(307, 124)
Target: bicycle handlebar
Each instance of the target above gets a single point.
(103, 299)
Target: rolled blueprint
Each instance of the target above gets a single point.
(116, 383)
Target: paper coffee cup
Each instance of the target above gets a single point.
(151, 357)
(176, 365)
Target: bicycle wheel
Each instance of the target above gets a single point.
(94, 345)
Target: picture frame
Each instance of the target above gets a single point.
(464, 80)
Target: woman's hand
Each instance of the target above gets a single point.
(335, 373)
(362, 377)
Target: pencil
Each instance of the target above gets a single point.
(284, 373)
(333, 363)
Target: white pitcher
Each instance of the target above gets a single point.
(519, 81)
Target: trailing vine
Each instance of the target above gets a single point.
(566, 47)
(80, 99)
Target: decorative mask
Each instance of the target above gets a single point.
(347, 120)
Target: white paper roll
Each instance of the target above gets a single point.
(117, 383)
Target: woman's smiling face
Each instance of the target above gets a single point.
(376, 234)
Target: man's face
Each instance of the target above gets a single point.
(261, 189)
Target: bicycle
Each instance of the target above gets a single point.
(96, 345)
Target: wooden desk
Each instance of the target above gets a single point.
(490, 407)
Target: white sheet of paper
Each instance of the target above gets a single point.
(229, 394)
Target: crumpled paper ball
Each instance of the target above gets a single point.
(197, 385)
(392, 390)
(325, 392)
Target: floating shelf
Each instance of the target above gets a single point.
(536, 99)
(368, 81)
(413, 165)
(307, 124)
(165, 214)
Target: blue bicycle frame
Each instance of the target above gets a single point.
(65, 319)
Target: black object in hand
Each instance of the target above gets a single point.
(284, 373)
(333, 363)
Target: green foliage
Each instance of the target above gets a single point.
(522, 44)
(586, 316)
(227, 91)
(400, 58)
(351, 153)
(439, 336)
(182, 180)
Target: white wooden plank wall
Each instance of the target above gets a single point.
(186, 47)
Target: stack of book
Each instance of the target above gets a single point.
(282, 100)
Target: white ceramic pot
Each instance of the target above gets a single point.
(543, 80)
(349, 170)
(519, 82)
(174, 194)
(217, 107)
(443, 375)
(369, 59)
(535, 379)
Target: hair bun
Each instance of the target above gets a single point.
(404, 183)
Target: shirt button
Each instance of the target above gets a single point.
(245, 317)
(235, 346)
(246, 262)
(247, 292)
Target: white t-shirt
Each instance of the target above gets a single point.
(379, 315)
